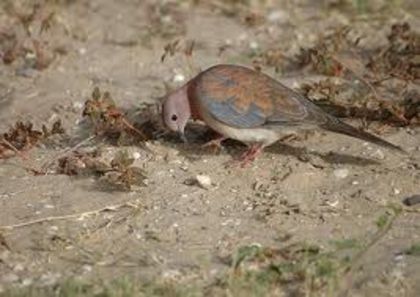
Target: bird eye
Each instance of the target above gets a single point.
(174, 117)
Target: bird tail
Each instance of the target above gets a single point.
(337, 126)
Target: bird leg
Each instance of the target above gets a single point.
(215, 143)
(250, 155)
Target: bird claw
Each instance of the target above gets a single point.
(216, 144)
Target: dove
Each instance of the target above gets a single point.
(251, 107)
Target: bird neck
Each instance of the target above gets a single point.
(193, 103)
(195, 113)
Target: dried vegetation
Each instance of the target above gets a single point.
(23, 35)
(368, 84)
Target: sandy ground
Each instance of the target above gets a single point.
(316, 188)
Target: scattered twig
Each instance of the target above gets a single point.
(12, 147)
(66, 151)
(71, 216)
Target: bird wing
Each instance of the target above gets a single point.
(243, 98)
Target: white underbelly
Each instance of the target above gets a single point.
(252, 135)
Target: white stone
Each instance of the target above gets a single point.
(179, 77)
(171, 274)
(341, 173)
(77, 105)
(27, 282)
(378, 154)
(54, 228)
(18, 267)
(203, 181)
(278, 16)
(87, 268)
(254, 45)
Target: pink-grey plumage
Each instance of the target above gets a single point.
(251, 107)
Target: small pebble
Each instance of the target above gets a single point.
(341, 173)
(332, 203)
(254, 45)
(166, 18)
(278, 16)
(27, 282)
(82, 51)
(171, 274)
(18, 267)
(49, 278)
(243, 37)
(77, 105)
(87, 268)
(203, 181)
(179, 78)
(378, 154)
(397, 191)
(411, 200)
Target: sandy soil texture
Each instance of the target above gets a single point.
(316, 188)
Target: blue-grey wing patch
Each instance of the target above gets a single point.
(227, 112)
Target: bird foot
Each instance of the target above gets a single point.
(248, 156)
(215, 144)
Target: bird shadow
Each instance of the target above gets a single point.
(199, 135)
(303, 154)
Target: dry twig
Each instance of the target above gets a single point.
(80, 216)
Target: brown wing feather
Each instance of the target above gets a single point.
(244, 98)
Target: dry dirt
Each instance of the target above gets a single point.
(317, 188)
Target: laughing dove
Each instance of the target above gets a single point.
(251, 107)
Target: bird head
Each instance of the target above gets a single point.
(176, 111)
